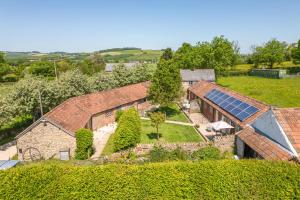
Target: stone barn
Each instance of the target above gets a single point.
(53, 135)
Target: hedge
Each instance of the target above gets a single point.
(84, 144)
(225, 179)
(128, 132)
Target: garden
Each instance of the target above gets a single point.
(168, 133)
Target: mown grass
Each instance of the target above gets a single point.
(170, 133)
(276, 92)
(224, 179)
(173, 113)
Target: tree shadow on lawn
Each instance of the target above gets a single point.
(168, 110)
(153, 135)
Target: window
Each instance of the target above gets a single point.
(64, 155)
(191, 82)
(20, 150)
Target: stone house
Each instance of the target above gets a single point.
(53, 135)
(190, 77)
(261, 131)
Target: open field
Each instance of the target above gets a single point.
(246, 67)
(276, 92)
(131, 55)
(171, 133)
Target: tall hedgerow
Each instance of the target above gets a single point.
(128, 132)
(84, 144)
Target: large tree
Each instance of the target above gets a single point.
(166, 83)
(270, 53)
(218, 54)
(296, 54)
(2, 59)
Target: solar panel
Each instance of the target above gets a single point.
(236, 107)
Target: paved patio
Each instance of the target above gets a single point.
(202, 121)
(101, 137)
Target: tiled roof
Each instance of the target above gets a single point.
(75, 112)
(201, 88)
(198, 74)
(265, 147)
(289, 120)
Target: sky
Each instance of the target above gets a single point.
(91, 25)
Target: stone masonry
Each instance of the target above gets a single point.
(46, 140)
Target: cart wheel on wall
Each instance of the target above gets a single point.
(32, 154)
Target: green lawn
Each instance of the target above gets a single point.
(171, 133)
(277, 92)
(173, 113)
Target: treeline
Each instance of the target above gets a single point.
(25, 96)
(222, 54)
(49, 68)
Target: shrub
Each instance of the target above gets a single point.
(160, 154)
(118, 115)
(207, 153)
(128, 132)
(224, 179)
(10, 78)
(84, 144)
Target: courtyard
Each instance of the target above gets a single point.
(168, 133)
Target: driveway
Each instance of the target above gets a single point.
(101, 137)
(8, 153)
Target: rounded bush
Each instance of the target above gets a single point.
(84, 144)
(128, 132)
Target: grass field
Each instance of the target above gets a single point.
(276, 92)
(246, 67)
(171, 133)
(173, 113)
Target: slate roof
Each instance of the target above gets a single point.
(201, 88)
(265, 147)
(197, 74)
(289, 120)
(75, 112)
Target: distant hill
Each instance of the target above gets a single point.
(126, 54)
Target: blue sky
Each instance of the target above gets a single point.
(90, 25)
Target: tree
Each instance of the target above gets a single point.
(184, 57)
(42, 68)
(166, 84)
(218, 54)
(2, 59)
(128, 132)
(167, 54)
(270, 53)
(296, 54)
(157, 118)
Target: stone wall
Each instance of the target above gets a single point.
(45, 141)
